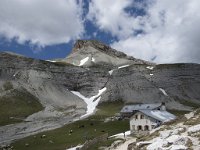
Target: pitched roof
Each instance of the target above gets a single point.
(131, 108)
(160, 115)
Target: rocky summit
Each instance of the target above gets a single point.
(91, 74)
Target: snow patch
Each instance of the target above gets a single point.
(15, 74)
(75, 148)
(123, 66)
(83, 61)
(121, 134)
(110, 72)
(150, 67)
(53, 61)
(93, 59)
(163, 91)
(91, 102)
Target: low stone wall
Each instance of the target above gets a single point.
(89, 143)
(140, 133)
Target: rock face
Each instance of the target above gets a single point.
(136, 81)
(97, 53)
(90, 67)
(126, 78)
(169, 83)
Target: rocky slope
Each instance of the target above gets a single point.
(91, 67)
(183, 133)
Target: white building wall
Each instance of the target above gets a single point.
(134, 123)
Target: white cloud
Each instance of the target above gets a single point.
(110, 16)
(170, 29)
(41, 22)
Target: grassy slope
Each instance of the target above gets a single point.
(16, 106)
(60, 139)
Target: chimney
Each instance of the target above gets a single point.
(163, 107)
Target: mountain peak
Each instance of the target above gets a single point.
(81, 44)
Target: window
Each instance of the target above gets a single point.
(146, 128)
(136, 116)
(139, 128)
(142, 117)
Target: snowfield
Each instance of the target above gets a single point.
(91, 102)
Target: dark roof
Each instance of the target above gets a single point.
(160, 115)
(131, 108)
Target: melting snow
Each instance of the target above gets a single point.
(163, 91)
(110, 72)
(15, 74)
(51, 61)
(121, 134)
(123, 66)
(150, 67)
(91, 102)
(75, 148)
(93, 59)
(83, 61)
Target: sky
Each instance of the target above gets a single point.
(160, 31)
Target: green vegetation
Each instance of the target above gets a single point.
(107, 109)
(189, 103)
(178, 112)
(17, 106)
(104, 144)
(94, 126)
(7, 86)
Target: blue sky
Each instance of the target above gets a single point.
(152, 30)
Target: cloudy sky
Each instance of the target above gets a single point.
(161, 31)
